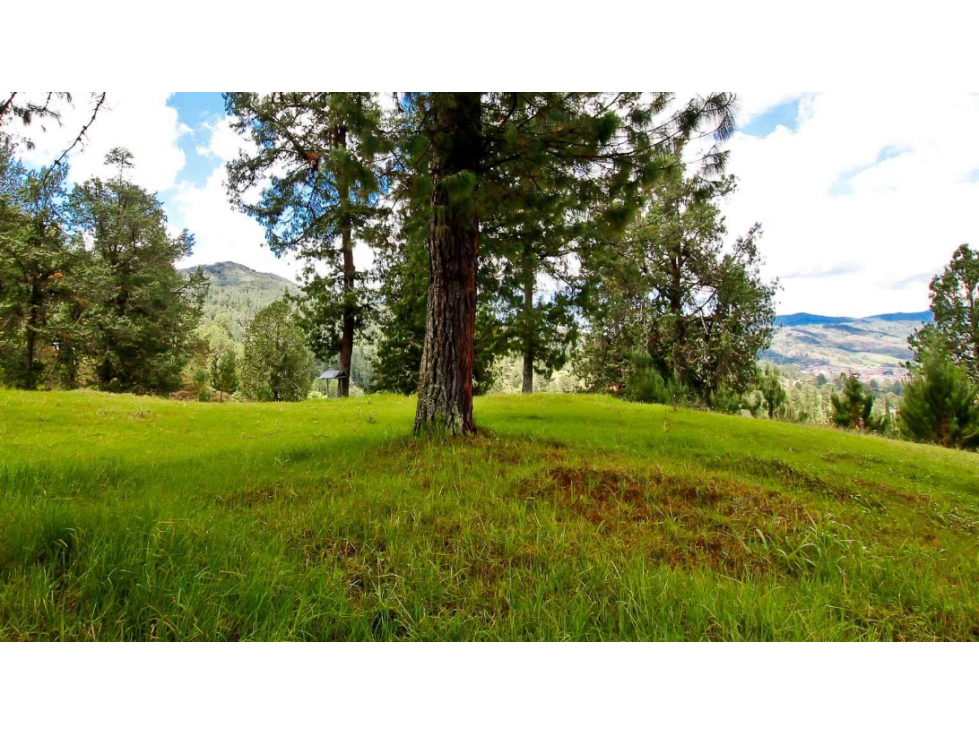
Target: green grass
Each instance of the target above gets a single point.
(568, 517)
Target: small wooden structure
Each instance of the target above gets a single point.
(333, 375)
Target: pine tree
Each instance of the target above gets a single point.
(224, 372)
(940, 403)
(770, 385)
(853, 407)
(402, 319)
(955, 308)
(30, 109)
(277, 364)
(316, 160)
(143, 329)
(467, 155)
(540, 328)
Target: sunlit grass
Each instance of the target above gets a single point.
(568, 517)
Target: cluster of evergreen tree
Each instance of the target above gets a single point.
(811, 399)
(503, 200)
(88, 289)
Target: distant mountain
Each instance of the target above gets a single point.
(233, 275)
(924, 317)
(809, 319)
(874, 347)
(240, 293)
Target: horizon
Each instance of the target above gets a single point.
(868, 317)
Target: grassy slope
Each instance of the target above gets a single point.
(571, 517)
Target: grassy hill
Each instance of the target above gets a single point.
(874, 347)
(568, 517)
(240, 292)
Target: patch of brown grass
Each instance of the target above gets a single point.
(680, 520)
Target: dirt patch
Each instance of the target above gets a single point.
(361, 566)
(596, 493)
(477, 448)
(683, 521)
(775, 469)
(792, 477)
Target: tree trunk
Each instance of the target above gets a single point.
(33, 323)
(528, 354)
(347, 338)
(349, 272)
(676, 310)
(30, 379)
(445, 387)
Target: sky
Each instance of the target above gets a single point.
(862, 196)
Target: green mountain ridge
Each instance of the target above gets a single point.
(239, 292)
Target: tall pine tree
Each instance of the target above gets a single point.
(466, 153)
(402, 255)
(955, 307)
(671, 288)
(316, 161)
(528, 281)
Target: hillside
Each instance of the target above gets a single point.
(240, 292)
(568, 517)
(875, 347)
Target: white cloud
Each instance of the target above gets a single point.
(223, 233)
(139, 121)
(902, 168)
(899, 166)
(224, 144)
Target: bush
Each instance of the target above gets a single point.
(726, 399)
(645, 384)
(200, 386)
(263, 393)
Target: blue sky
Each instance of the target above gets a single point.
(785, 114)
(861, 197)
(197, 110)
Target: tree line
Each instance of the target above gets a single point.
(519, 208)
(533, 226)
(88, 288)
